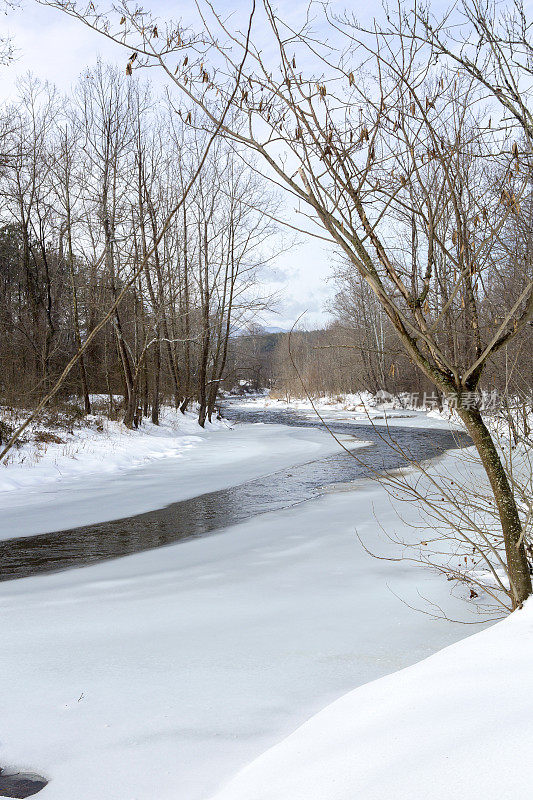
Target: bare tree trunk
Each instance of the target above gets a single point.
(83, 372)
(185, 311)
(130, 401)
(130, 393)
(202, 378)
(157, 379)
(146, 391)
(517, 563)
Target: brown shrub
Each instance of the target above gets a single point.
(46, 437)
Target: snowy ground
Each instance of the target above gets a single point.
(457, 724)
(161, 675)
(99, 446)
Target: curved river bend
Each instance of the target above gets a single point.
(200, 515)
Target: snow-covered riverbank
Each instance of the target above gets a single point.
(162, 674)
(363, 407)
(97, 445)
(165, 673)
(103, 471)
(457, 724)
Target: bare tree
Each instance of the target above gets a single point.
(7, 48)
(66, 187)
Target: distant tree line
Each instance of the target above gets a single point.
(358, 350)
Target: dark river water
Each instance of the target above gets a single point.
(209, 512)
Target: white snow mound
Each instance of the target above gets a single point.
(457, 724)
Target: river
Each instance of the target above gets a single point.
(386, 450)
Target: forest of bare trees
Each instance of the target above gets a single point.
(359, 351)
(87, 184)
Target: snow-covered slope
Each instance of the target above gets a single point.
(163, 674)
(458, 724)
(100, 446)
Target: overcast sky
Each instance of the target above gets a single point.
(58, 48)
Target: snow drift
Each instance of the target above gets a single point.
(457, 724)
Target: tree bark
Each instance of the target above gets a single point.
(83, 372)
(156, 386)
(517, 563)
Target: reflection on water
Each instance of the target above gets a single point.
(209, 512)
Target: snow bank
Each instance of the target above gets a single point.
(457, 724)
(362, 402)
(163, 674)
(384, 408)
(100, 446)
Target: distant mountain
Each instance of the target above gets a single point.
(274, 329)
(261, 331)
